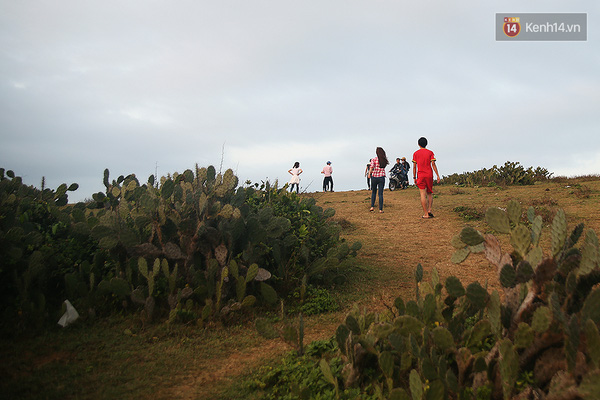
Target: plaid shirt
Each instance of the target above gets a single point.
(378, 172)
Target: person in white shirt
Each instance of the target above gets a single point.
(328, 180)
(295, 171)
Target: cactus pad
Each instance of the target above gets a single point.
(262, 275)
(353, 325)
(173, 252)
(419, 273)
(498, 220)
(514, 211)
(589, 254)
(477, 295)
(399, 304)
(341, 335)
(531, 214)
(494, 313)
(593, 342)
(454, 287)
(509, 367)
(591, 307)
(143, 267)
(559, 232)
(520, 239)
(536, 230)
(460, 255)
(480, 331)
(248, 301)
(508, 276)
(221, 254)
(326, 371)
(457, 242)
(386, 363)
(252, 272)
(268, 293)
(524, 272)
(415, 384)
(442, 338)
(119, 287)
(535, 257)
(524, 336)
(542, 318)
(492, 250)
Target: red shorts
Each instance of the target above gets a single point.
(425, 182)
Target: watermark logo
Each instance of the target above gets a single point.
(512, 26)
(541, 27)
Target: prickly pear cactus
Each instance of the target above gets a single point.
(547, 297)
(538, 340)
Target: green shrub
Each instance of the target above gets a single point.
(302, 377)
(318, 300)
(312, 249)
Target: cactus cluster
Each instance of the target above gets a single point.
(186, 225)
(511, 173)
(188, 244)
(539, 339)
(35, 245)
(192, 243)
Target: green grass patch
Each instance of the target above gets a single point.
(469, 213)
(295, 377)
(111, 359)
(317, 301)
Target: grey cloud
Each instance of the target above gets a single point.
(127, 85)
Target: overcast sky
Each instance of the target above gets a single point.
(139, 86)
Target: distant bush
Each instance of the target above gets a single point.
(575, 179)
(581, 191)
(511, 173)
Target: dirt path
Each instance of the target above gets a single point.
(393, 244)
(397, 240)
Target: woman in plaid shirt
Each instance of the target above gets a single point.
(377, 174)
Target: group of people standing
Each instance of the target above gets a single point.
(295, 171)
(423, 168)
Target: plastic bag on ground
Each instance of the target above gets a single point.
(69, 316)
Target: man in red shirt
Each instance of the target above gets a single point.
(423, 168)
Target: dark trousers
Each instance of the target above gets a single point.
(326, 182)
(369, 183)
(377, 185)
(297, 187)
